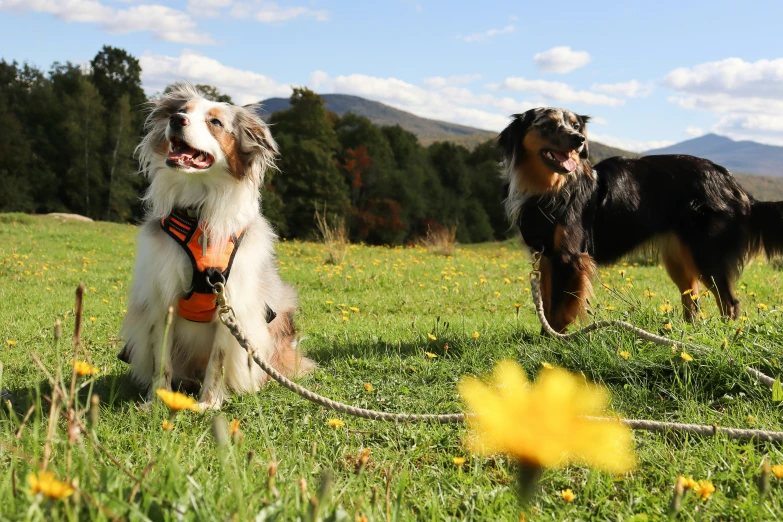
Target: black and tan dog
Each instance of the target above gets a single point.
(703, 223)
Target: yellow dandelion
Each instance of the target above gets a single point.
(431, 337)
(84, 369)
(507, 280)
(668, 326)
(777, 470)
(345, 318)
(177, 401)
(430, 355)
(368, 387)
(46, 483)
(475, 335)
(686, 357)
(335, 423)
(704, 489)
(354, 309)
(665, 308)
(567, 495)
(547, 423)
(762, 306)
(497, 294)
(233, 428)
(610, 308)
(167, 425)
(517, 305)
(93, 319)
(459, 461)
(330, 302)
(547, 366)
(625, 354)
(9, 342)
(688, 291)
(687, 483)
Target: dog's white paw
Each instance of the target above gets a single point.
(210, 404)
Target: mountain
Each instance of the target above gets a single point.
(427, 130)
(738, 156)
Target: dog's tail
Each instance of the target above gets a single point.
(286, 356)
(766, 219)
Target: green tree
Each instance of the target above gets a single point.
(309, 177)
(212, 93)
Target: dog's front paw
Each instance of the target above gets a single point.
(210, 403)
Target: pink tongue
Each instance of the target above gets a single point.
(566, 161)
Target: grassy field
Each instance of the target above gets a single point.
(367, 321)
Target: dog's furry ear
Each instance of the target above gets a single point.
(583, 119)
(510, 139)
(259, 149)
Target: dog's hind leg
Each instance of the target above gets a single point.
(722, 288)
(678, 260)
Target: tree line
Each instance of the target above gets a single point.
(69, 136)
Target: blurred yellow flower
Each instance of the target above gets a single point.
(686, 357)
(777, 470)
(233, 427)
(432, 337)
(9, 342)
(475, 335)
(354, 309)
(547, 366)
(167, 425)
(177, 401)
(459, 461)
(668, 326)
(368, 387)
(517, 305)
(93, 319)
(567, 495)
(84, 369)
(544, 423)
(335, 423)
(704, 489)
(430, 355)
(762, 306)
(625, 354)
(665, 308)
(46, 483)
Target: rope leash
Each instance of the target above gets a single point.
(535, 290)
(228, 318)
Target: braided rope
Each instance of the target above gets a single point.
(228, 318)
(535, 289)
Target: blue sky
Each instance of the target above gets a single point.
(650, 73)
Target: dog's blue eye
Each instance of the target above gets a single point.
(216, 122)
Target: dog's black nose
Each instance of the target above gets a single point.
(577, 140)
(177, 121)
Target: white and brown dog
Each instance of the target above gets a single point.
(205, 162)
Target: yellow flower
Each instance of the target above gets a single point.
(686, 357)
(431, 337)
(668, 326)
(475, 335)
(177, 401)
(93, 319)
(335, 423)
(368, 387)
(610, 308)
(624, 354)
(762, 306)
(345, 318)
(234, 427)
(687, 483)
(84, 369)
(329, 302)
(167, 425)
(458, 461)
(547, 366)
(430, 355)
(46, 483)
(777, 470)
(567, 495)
(704, 489)
(544, 423)
(354, 309)
(665, 308)
(517, 305)
(9, 342)
(507, 280)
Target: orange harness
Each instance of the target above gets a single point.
(210, 265)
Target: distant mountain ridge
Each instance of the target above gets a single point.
(746, 157)
(427, 130)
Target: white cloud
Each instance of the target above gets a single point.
(626, 144)
(242, 85)
(270, 12)
(557, 92)
(437, 82)
(694, 132)
(164, 22)
(629, 89)
(477, 37)
(208, 8)
(451, 103)
(597, 120)
(561, 60)
(746, 96)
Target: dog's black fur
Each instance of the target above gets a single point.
(704, 223)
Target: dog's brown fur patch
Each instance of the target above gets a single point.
(228, 143)
(285, 357)
(534, 175)
(678, 260)
(577, 290)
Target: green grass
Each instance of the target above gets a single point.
(402, 295)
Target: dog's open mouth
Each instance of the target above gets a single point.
(561, 161)
(183, 156)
